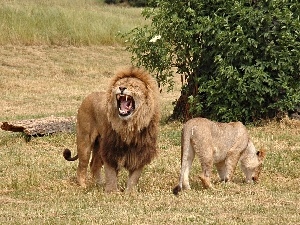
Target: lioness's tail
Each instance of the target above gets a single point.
(67, 155)
(185, 160)
(177, 189)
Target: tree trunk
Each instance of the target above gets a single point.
(182, 108)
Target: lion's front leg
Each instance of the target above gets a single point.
(133, 179)
(111, 180)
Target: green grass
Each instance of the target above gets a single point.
(65, 23)
(37, 186)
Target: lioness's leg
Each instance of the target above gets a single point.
(111, 181)
(221, 168)
(133, 179)
(230, 164)
(206, 159)
(205, 176)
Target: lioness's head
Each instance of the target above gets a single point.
(260, 158)
(132, 101)
(253, 166)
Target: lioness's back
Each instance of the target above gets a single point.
(215, 129)
(222, 136)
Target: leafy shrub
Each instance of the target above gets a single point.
(240, 59)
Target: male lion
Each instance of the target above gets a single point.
(222, 144)
(119, 127)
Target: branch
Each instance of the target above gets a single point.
(43, 126)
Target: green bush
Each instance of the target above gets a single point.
(240, 59)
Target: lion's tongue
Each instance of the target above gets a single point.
(125, 106)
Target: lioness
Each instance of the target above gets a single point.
(119, 127)
(222, 144)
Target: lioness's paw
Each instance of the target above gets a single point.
(205, 181)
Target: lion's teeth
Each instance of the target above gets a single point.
(126, 97)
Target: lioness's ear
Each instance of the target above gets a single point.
(261, 154)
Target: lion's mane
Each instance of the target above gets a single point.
(132, 143)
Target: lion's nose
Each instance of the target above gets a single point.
(122, 89)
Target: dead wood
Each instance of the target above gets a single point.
(42, 126)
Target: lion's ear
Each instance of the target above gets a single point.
(261, 154)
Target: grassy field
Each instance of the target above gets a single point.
(65, 22)
(37, 186)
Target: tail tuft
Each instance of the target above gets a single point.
(67, 155)
(176, 190)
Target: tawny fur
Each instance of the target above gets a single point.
(117, 141)
(219, 144)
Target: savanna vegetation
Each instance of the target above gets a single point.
(65, 22)
(239, 59)
(45, 70)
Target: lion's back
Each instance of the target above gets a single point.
(92, 113)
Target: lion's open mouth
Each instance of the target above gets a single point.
(126, 104)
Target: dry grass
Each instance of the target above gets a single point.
(48, 75)
(37, 186)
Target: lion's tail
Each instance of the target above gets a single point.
(67, 155)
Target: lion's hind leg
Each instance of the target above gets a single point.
(84, 152)
(96, 162)
(82, 168)
(96, 165)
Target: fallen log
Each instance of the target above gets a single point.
(42, 126)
